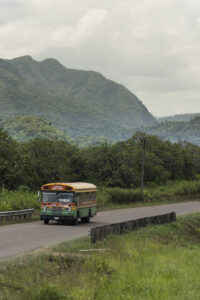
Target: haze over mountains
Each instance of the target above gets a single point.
(81, 103)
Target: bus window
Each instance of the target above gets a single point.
(49, 197)
(65, 197)
(57, 197)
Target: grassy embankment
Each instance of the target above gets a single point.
(156, 262)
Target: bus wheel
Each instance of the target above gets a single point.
(46, 221)
(87, 219)
(75, 222)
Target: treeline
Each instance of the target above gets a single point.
(40, 160)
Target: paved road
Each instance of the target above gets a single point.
(20, 238)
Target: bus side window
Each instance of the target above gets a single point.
(78, 196)
(84, 196)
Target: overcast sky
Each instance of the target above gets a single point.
(150, 46)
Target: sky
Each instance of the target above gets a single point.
(150, 46)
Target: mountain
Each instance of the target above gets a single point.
(81, 103)
(26, 128)
(181, 117)
(177, 131)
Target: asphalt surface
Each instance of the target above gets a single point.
(20, 238)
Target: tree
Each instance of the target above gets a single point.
(10, 162)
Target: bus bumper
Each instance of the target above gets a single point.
(57, 218)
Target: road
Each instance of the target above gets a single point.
(20, 238)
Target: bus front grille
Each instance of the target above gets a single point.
(56, 210)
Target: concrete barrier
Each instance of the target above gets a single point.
(98, 233)
(17, 214)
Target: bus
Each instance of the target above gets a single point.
(64, 202)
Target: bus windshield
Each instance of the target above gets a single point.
(62, 197)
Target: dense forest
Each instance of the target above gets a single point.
(26, 128)
(119, 165)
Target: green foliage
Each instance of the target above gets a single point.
(26, 128)
(16, 200)
(51, 161)
(11, 162)
(113, 197)
(48, 293)
(124, 196)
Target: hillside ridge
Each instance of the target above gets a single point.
(79, 102)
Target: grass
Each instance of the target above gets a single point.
(173, 191)
(155, 262)
(19, 199)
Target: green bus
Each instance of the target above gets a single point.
(64, 202)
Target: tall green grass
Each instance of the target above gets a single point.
(170, 191)
(16, 200)
(156, 262)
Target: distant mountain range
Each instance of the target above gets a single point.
(180, 117)
(177, 131)
(80, 103)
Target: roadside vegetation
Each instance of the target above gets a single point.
(156, 262)
(19, 199)
(172, 191)
(111, 198)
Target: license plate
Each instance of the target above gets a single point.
(56, 218)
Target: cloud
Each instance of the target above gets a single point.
(74, 36)
(151, 46)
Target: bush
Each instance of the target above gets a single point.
(49, 293)
(124, 196)
(169, 191)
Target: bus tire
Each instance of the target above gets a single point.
(75, 221)
(46, 221)
(87, 219)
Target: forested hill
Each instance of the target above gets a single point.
(79, 102)
(177, 131)
(26, 128)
